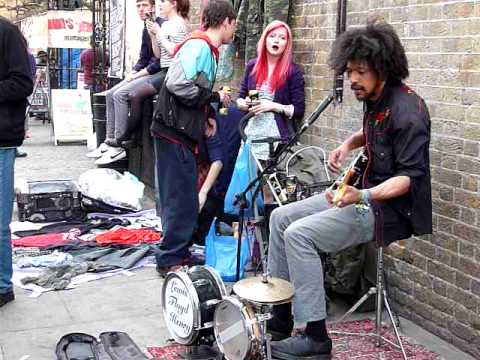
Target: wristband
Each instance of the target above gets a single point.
(366, 196)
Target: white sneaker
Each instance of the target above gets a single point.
(98, 152)
(112, 155)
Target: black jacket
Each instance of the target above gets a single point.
(147, 58)
(397, 132)
(15, 84)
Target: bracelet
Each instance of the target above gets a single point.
(366, 196)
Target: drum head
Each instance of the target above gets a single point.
(180, 307)
(232, 327)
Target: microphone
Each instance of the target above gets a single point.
(316, 113)
(338, 88)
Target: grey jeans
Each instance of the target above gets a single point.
(298, 233)
(117, 106)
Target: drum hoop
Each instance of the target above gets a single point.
(246, 313)
(196, 305)
(218, 279)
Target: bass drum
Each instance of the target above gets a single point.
(189, 297)
(236, 329)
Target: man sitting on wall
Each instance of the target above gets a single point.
(117, 97)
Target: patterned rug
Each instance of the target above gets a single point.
(345, 347)
(364, 348)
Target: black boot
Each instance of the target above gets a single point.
(302, 347)
(6, 298)
(314, 344)
(280, 326)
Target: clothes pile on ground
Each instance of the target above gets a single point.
(53, 256)
(79, 243)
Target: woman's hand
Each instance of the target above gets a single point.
(264, 106)
(152, 27)
(242, 104)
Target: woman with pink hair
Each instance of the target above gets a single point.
(280, 86)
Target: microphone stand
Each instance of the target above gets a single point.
(241, 199)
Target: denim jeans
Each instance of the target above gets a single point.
(298, 233)
(7, 161)
(177, 184)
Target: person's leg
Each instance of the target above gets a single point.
(280, 220)
(212, 208)
(110, 110)
(328, 231)
(281, 325)
(7, 160)
(120, 99)
(178, 201)
(156, 172)
(137, 97)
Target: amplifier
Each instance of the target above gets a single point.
(50, 201)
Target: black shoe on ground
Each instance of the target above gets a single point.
(6, 298)
(302, 347)
(279, 329)
(20, 153)
(189, 261)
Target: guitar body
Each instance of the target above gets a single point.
(352, 176)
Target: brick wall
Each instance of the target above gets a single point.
(435, 279)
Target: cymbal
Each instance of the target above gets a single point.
(274, 291)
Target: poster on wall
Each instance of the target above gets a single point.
(35, 30)
(117, 38)
(69, 29)
(72, 115)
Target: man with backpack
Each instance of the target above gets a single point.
(179, 126)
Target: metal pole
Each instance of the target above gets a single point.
(379, 296)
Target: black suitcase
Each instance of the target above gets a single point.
(50, 201)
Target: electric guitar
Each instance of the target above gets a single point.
(352, 175)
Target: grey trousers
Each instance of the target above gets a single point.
(117, 106)
(298, 233)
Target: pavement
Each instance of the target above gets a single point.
(31, 327)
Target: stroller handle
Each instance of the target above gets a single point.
(242, 124)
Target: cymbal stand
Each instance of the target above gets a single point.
(265, 352)
(381, 298)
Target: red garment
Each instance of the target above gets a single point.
(86, 60)
(42, 241)
(124, 236)
(199, 35)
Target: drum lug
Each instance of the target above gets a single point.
(263, 317)
(201, 282)
(211, 303)
(207, 325)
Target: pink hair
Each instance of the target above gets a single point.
(283, 66)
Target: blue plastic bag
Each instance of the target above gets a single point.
(221, 254)
(244, 172)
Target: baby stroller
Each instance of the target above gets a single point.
(299, 172)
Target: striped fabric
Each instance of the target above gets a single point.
(174, 31)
